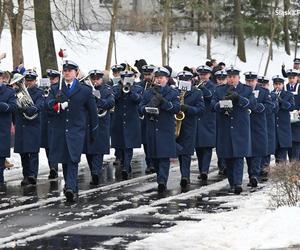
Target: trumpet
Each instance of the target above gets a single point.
(24, 99)
(96, 93)
(126, 88)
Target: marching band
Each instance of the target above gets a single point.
(201, 109)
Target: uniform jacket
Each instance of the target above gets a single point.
(28, 132)
(234, 137)
(206, 124)
(9, 105)
(282, 119)
(101, 144)
(195, 108)
(160, 129)
(69, 125)
(126, 127)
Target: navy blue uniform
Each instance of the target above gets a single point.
(68, 137)
(7, 106)
(259, 136)
(160, 130)
(294, 152)
(206, 130)
(28, 134)
(126, 128)
(95, 149)
(234, 138)
(283, 124)
(195, 107)
(46, 131)
(271, 110)
(145, 85)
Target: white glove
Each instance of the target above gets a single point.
(64, 105)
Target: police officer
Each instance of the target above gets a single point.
(71, 102)
(7, 106)
(146, 83)
(271, 109)
(159, 105)
(232, 102)
(126, 127)
(206, 124)
(96, 149)
(28, 130)
(293, 87)
(221, 79)
(286, 104)
(258, 126)
(47, 123)
(192, 106)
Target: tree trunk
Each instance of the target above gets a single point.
(44, 35)
(241, 53)
(113, 26)
(165, 34)
(16, 29)
(208, 30)
(2, 15)
(297, 36)
(273, 28)
(286, 28)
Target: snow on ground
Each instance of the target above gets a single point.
(251, 226)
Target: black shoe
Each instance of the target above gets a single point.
(53, 174)
(116, 162)
(32, 180)
(25, 182)
(238, 190)
(184, 182)
(148, 170)
(202, 177)
(222, 173)
(124, 175)
(161, 187)
(253, 182)
(69, 195)
(95, 180)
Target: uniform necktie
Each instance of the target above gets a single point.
(69, 86)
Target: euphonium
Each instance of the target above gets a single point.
(24, 99)
(180, 115)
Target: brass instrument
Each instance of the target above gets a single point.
(180, 115)
(126, 88)
(198, 85)
(96, 93)
(24, 99)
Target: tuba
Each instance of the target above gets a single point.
(24, 99)
(96, 93)
(180, 115)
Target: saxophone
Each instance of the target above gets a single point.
(180, 115)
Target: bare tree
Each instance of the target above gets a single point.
(2, 16)
(44, 35)
(208, 29)
(273, 29)
(241, 53)
(113, 26)
(286, 28)
(15, 17)
(297, 36)
(165, 33)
